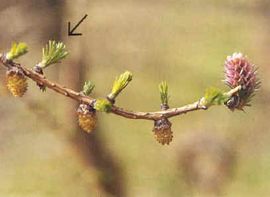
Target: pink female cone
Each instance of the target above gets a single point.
(239, 71)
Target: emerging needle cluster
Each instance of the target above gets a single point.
(240, 76)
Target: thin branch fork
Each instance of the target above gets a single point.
(78, 96)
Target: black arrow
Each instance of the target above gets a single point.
(71, 32)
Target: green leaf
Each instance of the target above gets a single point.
(88, 88)
(103, 105)
(17, 50)
(163, 90)
(120, 83)
(53, 53)
(214, 96)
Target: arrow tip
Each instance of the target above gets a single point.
(71, 31)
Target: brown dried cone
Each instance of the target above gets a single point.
(16, 82)
(87, 117)
(162, 131)
(239, 71)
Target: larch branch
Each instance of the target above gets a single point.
(80, 97)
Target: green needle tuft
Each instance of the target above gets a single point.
(53, 53)
(119, 84)
(163, 90)
(88, 88)
(17, 50)
(214, 96)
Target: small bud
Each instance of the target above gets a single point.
(87, 117)
(162, 131)
(239, 71)
(39, 70)
(16, 82)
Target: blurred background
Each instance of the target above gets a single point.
(213, 153)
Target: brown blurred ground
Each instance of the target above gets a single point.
(183, 42)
